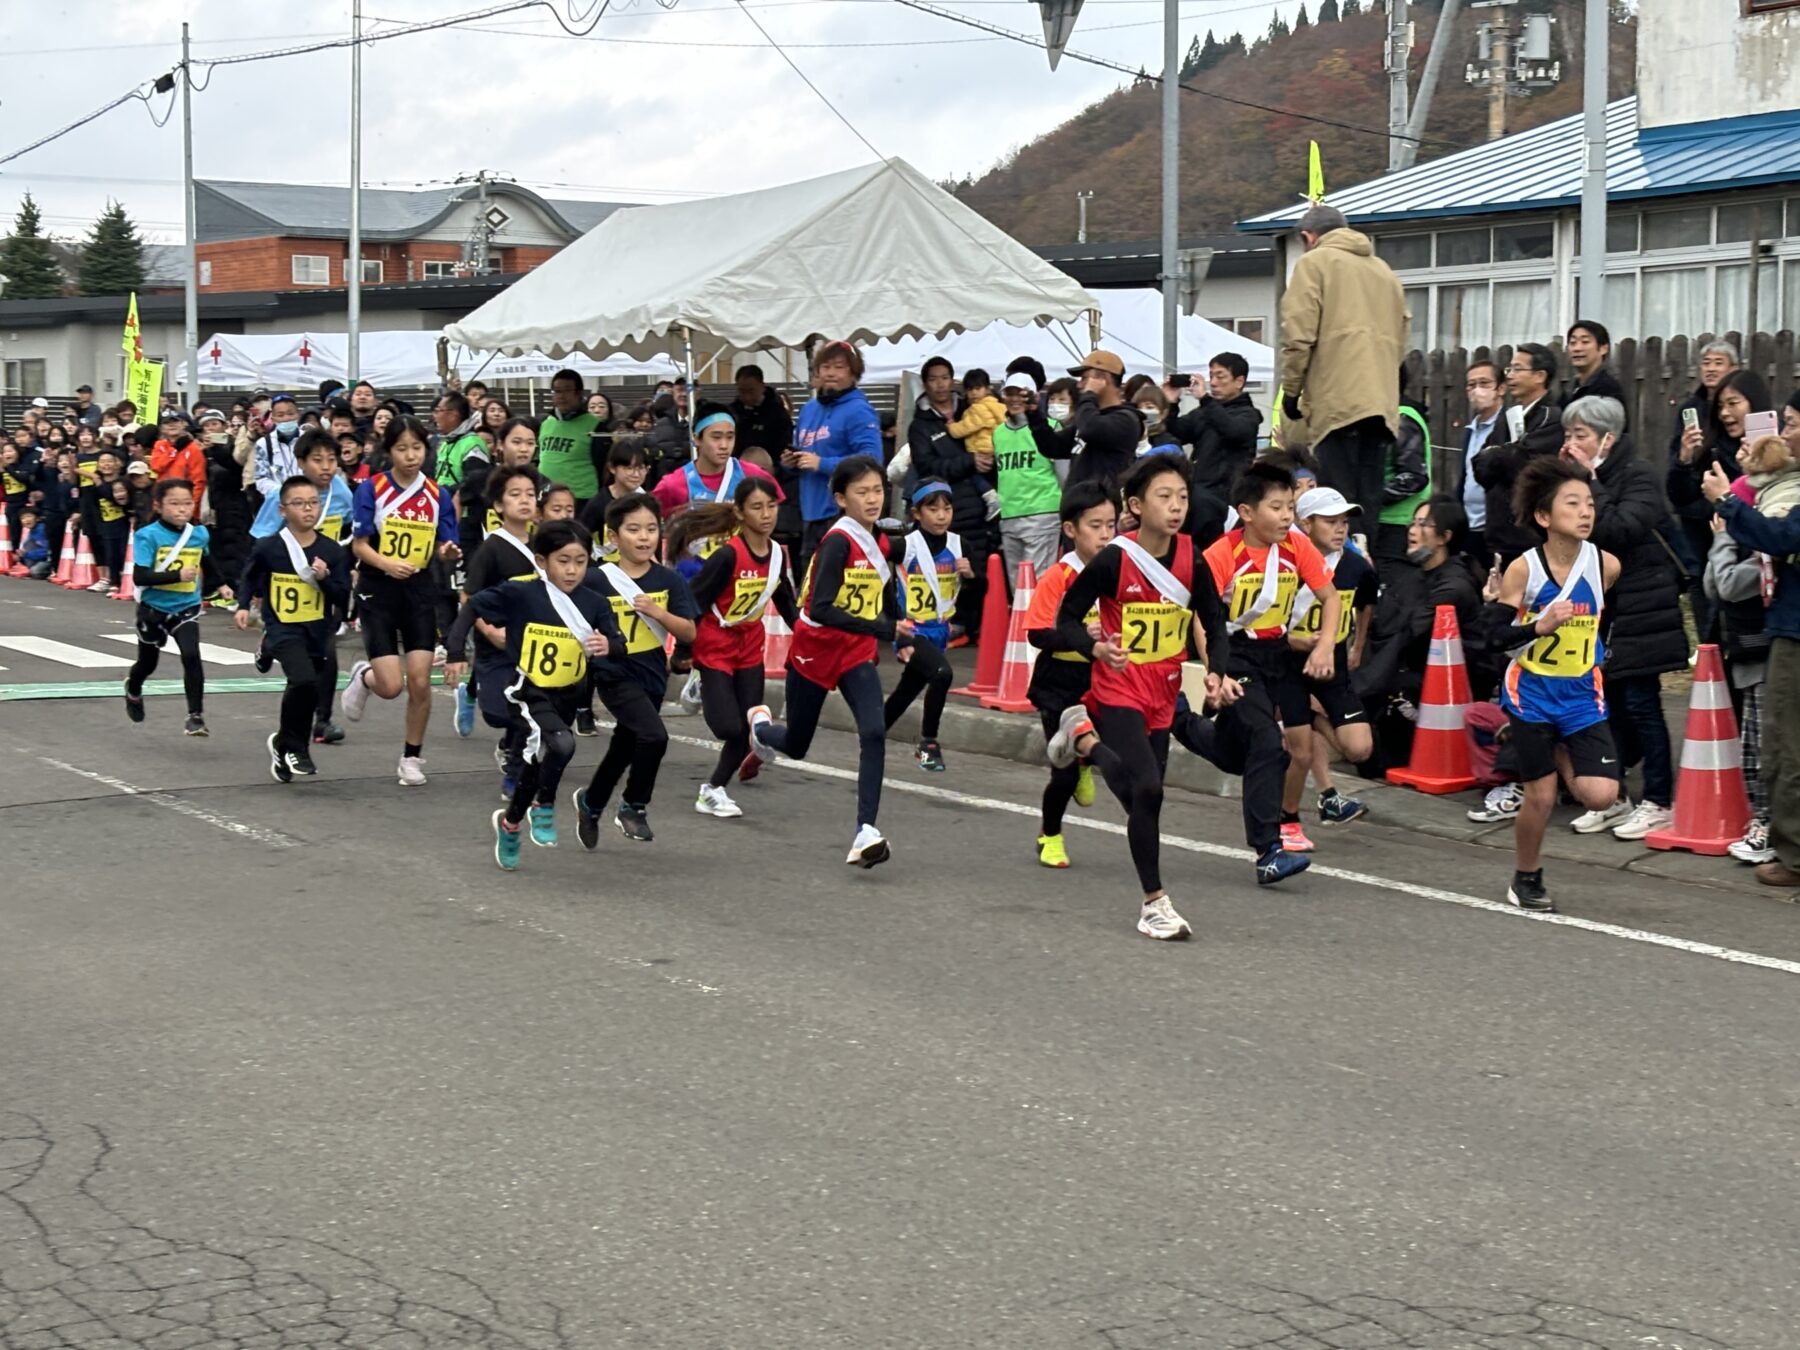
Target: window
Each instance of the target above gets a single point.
(1250, 329)
(1675, 302)
(1524, 243)
(206, 273)
(1418, 304)
(1678, 229)
(371, 271)
(1767, 6)
(1619, 308)
(1464, 248)
(1403, 252)
(1790, 295)
(1463, 316)
(1522, 312)
(1739, 224)
(433, 271)
(1621, 234)
(312, 269)
(1793, 214)
(25, 378)
(1731, 298)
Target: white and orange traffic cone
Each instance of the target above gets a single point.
(7, 557)
(778, 640)
(127, 589)
(65, 558)
(1712, 807)
(82, 576)
(1020, 657)
(990, 655)
(1440, 750)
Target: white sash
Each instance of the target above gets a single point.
(297, 558)
(572, 617)
(1158, 575)
(876, 555)
(917, 553)
(1072, 561)
(399, 499)
(727, 484)
(181, 542)
(1312, 597)
(1265, 598)
(630, 591)
(769, 584)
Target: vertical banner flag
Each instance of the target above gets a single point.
(132, 339)
(143, 386)
(1315, 176)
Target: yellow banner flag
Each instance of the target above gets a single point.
(132, 339)
(143, 386)
(1315, 176)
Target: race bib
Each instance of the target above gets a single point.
(639, 635)
(332, 527)
(1093, 617)
(109, 509)
(860, 595)
(408, 540)
(746, 600)
(292, 600)
(1566, 653)
(551, 657)
(1307, 625)
(705, 548)
(15, 487)
(167, 560)
(922, 604)
(1155, 631)
(1248, 589)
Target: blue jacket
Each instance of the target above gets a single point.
(833, 427)
(1779, 538)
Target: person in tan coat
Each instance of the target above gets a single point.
(1344, 329)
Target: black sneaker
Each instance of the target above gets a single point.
(300, 764)
(195, 726)
(1527, 892)
(931, 758)
(134, 705)
(584, 722)
(587, 823)
(278, 762)
(264, 662)
(327, 732)
(634, 824)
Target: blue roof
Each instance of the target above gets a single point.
(1541, 168)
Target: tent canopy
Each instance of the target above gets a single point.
(873, 252)
(400, 359)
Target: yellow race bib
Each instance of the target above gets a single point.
(550, 657)
(1307, 625)
(1093, 617)
(291, 600)
(921, 604)
(860, 595)
(332, 528)
(1566, 653)
(167, 560)
(639, 635)
(1248, 590)
(407, 540)
(1154, 631)
(746, 601)
(109, 509)
(15, 487)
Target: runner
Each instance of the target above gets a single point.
(402, 520)
(627, 466)
(169, 561)
(933, 568)
(555, 502)
(1060, 679)
(712, 475)
(554, 626)
(1553, 693)
(835, 646)
(301, 578)
(737, 584)
(652, 604)
(1143, 583)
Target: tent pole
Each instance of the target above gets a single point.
(1094, 327)
(687, 345)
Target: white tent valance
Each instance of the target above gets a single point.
(300, 361)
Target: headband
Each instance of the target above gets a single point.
(712, 419)
(934, 488)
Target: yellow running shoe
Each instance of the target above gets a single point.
(1051, 852)
(1084, 786)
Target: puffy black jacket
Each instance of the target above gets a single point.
(1497, 469)
(1400, 633)
(1099, 443)
(1602, 384)
(1645, 635)
(938, 454)
(1223, 434)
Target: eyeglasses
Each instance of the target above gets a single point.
(1521, 370)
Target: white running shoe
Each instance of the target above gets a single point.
(713, 801)
(1754, 847)
(759, 719)
(1074, 724)
(356, 694)
(1648, 818)
(412, 771)
(1159, 920)
(1501, 803)
(868, 848)
(1592, 822)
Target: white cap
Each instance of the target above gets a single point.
(40, 403)
(1020, 380)
(1322, 501)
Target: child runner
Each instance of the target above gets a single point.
(713, 475)
(847, 606)
(170, 559)
(1327, 716)
(1552, 690)
(737, 584)
(556, 502)
(652, 604)
(105, 517)
(401, 521)
(627, 466)
(302, 579)
(554, 626)
(515, 447)
(1143, 583)
(933, 568)
(1060, 679)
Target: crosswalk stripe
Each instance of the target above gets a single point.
(210, 652)
(66, 653)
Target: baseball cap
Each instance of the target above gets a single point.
(138, 466)
(1020, 380)
(1099, 360)
(84, 388)
(1323, 501)
(40, 403)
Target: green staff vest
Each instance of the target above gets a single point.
(1401, 512)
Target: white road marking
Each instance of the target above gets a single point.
(1613, 930)
(66, 653)
(255, 833)
(210, 652)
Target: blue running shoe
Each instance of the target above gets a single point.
(1277, 864)
(1337, 809)
(506, 843)
(508, 786)
(543, 825)
(465, 712)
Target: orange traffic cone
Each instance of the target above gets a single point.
(82, 575)
(1440, 753)
(127, 589)
(1711, 805)
(1018, 656)
(6, 546)
(778, 638)
(990, 656)
(65, 558)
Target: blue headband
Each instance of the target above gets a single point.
(931, 489)
(712, 419)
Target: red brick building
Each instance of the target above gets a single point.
(295, 236)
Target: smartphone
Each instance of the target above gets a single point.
(1760, 424)
(1690, 419)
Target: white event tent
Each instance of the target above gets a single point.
(388, 360)
(868, 253)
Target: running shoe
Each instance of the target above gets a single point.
(1277, 864)
(278, 765)
(543, 825)
(195, 726)
(1084, 785)
(633, 823)
(327, 732)
(868, 848)
(931, 758)
(751, 766)
(300, 764)
(1501, 804)
(1527, 892)
(1293, 837)
(587, 823)
(1646, 819)
(1158, 919)
(508, 787)
(1337, 809)
(1592, 822)
(465, 712)
(1051, 852)
(714, 801)
(506, 843)
(1754, 847)
(134, 704)
(356, 693)
(760, 720)
(584, 722)
(1071, 727)
(101, 587)
(411, 770)
(263, 661)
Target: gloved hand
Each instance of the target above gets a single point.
(1290, 408)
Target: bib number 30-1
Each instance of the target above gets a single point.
(407, 541)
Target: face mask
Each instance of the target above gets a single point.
(1059, 411)
(1150, 414)
(287, 428)
(1420, 556)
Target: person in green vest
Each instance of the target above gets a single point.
(457, 442)
(1406, 481)
(566, 440)
(1030, 492)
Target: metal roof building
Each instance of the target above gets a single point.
(226, 210)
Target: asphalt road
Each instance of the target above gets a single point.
(297, 1066)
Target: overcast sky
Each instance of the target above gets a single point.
(656, 104)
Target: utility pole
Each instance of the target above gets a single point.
(1399, 49)
(191, 290)
(353, 265)
(1081, 201)
(1593, 181)
(1499, 77)
(1434, 66)
(1171, 182)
